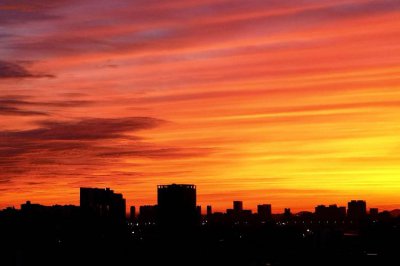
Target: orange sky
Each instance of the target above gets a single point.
(293, 103)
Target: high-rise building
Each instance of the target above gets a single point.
(237, 206)
(209, 210)
(132, 213)
(103, 202)
(264, 211)
(198, 212)
(177, 204)
(356, 210)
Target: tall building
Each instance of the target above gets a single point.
(177, 205)
(132, 213)
(198, 212)
(237, 206)
(264, 211)
(103, 202)
(356, 210)
(209, 210)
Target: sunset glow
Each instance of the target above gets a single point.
(293, 103)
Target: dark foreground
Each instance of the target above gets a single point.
(77, 239)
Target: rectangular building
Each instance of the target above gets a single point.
(103, 202)
(356, 210)
(177, 204)
(264, 211)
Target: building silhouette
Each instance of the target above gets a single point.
(237, 206)
(132, 213)
(64, 235)
(287, 213)
(198, 211)
(103, 202)
(238, 213)
(148, 213)
(264, 211)
(356, 210)
(330, 213)
(209, 210)
(177, 205)
(29, 207)
(374, 212)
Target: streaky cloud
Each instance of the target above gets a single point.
(9, 70)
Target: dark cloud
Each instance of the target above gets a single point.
(86, 129)
(35, 183)
(57, 44)
(180, 30)
(57, 140)
(13, 70)
(5, 35)
(171, 153)
(5, 181)
(179, 34)
(10, 105)
(73, 94)
(83, 145)
(111, 66)
(25, 11)
(9, 110)
(22, 105)
(19, 16)
(24, 101)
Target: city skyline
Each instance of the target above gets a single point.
(291, 103)
(173, 232)
(91, 197)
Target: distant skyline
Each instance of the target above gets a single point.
(235, 204)
(290, 103)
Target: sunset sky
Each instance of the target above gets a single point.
(293, 103)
